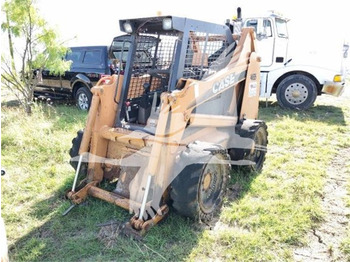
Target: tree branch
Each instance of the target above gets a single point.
(14, 77)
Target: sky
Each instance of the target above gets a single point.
(96, 22)
(316, 27)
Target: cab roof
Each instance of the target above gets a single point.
(153, 25)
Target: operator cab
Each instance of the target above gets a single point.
(155, 54)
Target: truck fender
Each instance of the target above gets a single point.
(318, 74)
(79, 80)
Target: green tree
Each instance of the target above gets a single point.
(33, 46)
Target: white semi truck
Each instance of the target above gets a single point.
(296, 83)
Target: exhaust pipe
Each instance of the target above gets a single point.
(239, 14)
(231, 23)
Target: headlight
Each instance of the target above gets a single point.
(167, 24)
(127, 27)
(338, 78)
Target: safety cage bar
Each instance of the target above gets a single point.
(154, 62)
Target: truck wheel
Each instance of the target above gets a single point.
(83, 98)
(198, 191)
(296, 92)
(255, 147)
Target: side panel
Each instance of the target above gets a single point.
(51, 86)
(250, 103)
(50, 80)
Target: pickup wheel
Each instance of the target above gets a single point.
(83, 98)
(296, 92)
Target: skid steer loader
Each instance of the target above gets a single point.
(167, 128)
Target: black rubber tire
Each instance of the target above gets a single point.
(83, 98)
(296, 92)
(255, 131)
(259, 135)
(74, 152)
(188, 192)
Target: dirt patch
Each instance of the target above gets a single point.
(234, 192)
(324, 242)
(109, 233)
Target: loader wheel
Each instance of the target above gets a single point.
(83, 98)
(257, 154)
(256, 132)
(296, 92)
(198, 191)
(74, 152)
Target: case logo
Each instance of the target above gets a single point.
(224, 83)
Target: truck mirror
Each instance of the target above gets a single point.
(345, 49)
(261, 36)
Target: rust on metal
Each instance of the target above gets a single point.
(82, 194)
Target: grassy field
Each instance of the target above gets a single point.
(265, 216)
(346, 242)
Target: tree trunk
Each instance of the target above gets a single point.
(29, 97)
(28, 108)
(10, 43)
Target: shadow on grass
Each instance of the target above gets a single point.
(240, 183)
(40, 102)
(10, 103)
(331, 115)
(75, 237)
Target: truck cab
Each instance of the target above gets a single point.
(296, 83)
(272, 34)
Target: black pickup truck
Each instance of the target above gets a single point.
(89, 64)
